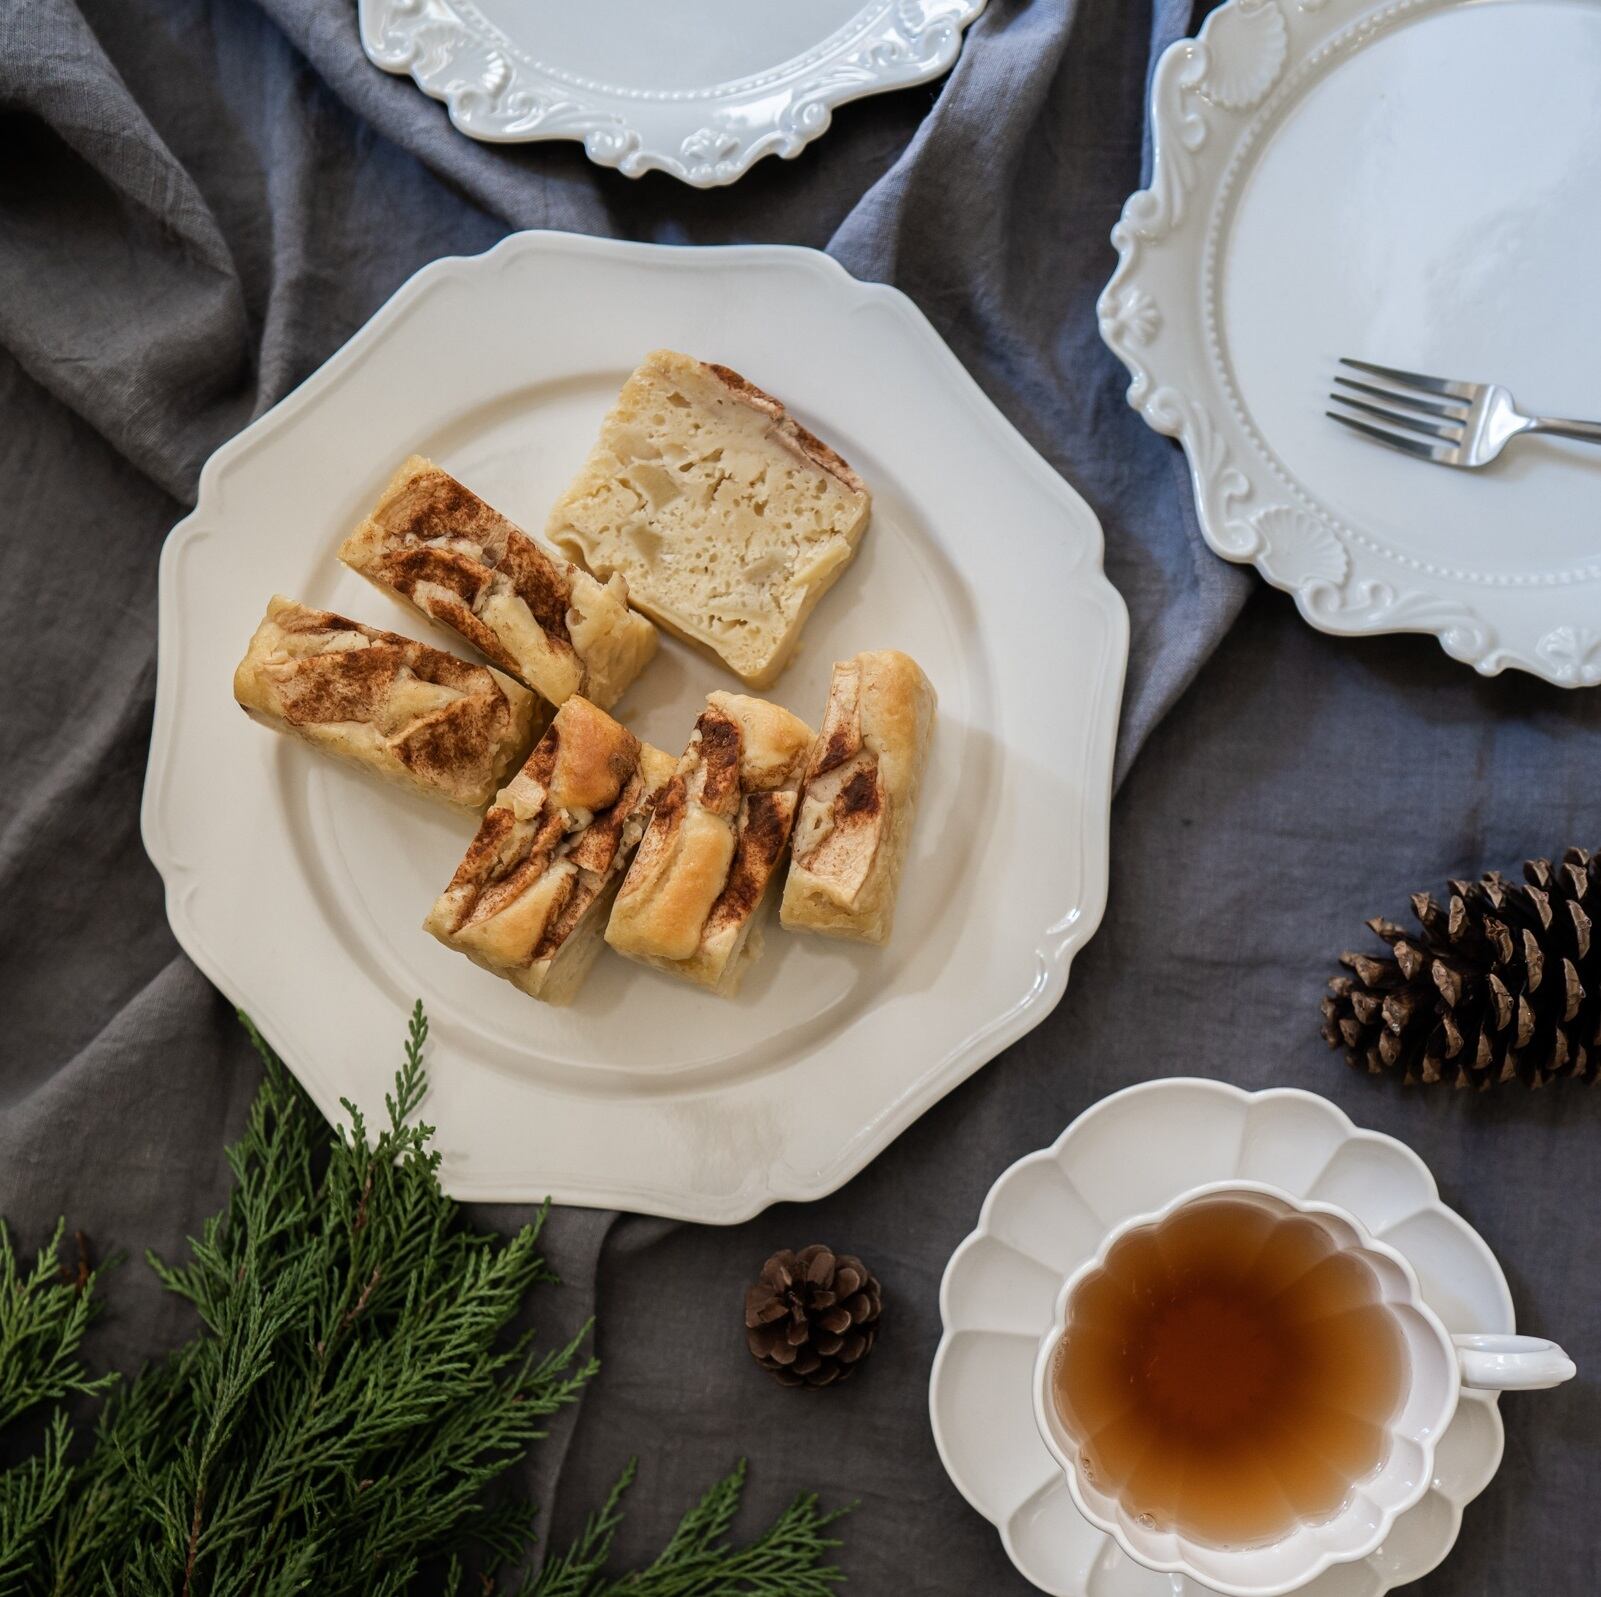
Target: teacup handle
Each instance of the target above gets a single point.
(1512, 1363)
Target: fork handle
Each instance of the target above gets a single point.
(1586, 431)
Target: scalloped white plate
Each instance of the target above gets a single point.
(299, 887)
(1130, 1154)
(1411, 182)
(701, 89)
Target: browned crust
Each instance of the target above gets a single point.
(719, 744)
(808, 443)
(424, 502)
(585, 761)
(596, 847)
(773, 743)
(762, 838)
(743, 765)
(594, 855)
(340, 685)
(591, 757)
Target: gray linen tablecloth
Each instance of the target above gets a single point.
(200, 201)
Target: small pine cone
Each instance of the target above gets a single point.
(811, 1317)
(1503, 982)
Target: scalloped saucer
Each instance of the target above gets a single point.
(1129, 1154)
(1305, 205)
(700, 89)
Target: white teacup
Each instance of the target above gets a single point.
(1438, 1367)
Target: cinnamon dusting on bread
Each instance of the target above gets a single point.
(389, 702)
(529, 897)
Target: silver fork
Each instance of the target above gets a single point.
(1450, 423)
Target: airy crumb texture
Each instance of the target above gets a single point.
(436, 544)
(715, 841)
(528, 901)
(411, 713)
(859, 800)
(728, 519)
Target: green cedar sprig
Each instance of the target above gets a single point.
(44, 1313)
(790, 1559)
(351, 1398)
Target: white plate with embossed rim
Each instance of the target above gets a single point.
(701, 89)
(299, 886)
(1410, 182)
(1131, 1154)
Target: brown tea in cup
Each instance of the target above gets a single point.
(1229, 1373)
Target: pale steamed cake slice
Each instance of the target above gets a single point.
(728, 519)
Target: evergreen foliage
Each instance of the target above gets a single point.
(340, 1419)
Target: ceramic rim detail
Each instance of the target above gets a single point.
(495, 90)
(638, 1140)
(1213, 100)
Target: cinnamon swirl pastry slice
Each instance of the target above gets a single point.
(859, 800)
(715, 841)
(411, 713)
(529, 900)
(437, 545)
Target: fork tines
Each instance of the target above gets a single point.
(1421, 415)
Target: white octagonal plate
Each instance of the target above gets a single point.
(1132, 1153)
(1408, 182)
(700, 89)
(299, 887)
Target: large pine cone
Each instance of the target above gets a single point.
(812, 1316)
(1503, 982)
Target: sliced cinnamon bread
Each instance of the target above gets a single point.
(716, 837)
(411, 713)
(435, 543)
(529, 900)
